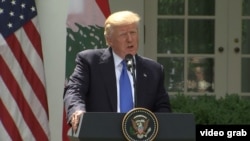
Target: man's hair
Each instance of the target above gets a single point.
(118, 19)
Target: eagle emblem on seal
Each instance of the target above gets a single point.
(140, 126)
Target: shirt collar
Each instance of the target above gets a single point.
(117, 59)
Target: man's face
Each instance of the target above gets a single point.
(124, 40)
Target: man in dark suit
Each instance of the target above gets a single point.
(94, 84)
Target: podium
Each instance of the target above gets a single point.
(98, 126)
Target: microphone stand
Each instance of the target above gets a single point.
(131, 67)
(134, 80)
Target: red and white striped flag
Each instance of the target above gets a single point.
(85, 30)
(23, 101)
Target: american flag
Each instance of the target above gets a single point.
(23, 101)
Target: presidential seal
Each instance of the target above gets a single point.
(140, 124)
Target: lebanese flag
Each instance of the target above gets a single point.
(85, 30)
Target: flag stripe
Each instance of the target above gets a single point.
(36, 62)
(28, 70)
(3, 134)
(104, 6)
(34, 37)
(8, 123)
(15, 115)
(65, 128)
(17, 94)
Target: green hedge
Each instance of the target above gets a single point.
(231, 109)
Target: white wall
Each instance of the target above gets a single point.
(52, 18)
(52, 15)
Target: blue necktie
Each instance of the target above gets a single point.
(126, 100)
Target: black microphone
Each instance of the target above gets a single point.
(131, 68)
(130, 63)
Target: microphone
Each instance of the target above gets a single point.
(131, 68)
(130, 63)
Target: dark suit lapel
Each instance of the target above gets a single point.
(141, 78)
(108, 74)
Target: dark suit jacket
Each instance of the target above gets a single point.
(93, 84)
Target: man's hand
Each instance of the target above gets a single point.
(75, 119)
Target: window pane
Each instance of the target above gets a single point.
(201, 7)
(170, 7)
(170, 35)
(174, 73)
(245, 36)
(201, 36)
(245, 75)
(200, 75)
(246, 8)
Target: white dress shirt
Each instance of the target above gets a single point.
(118, 70)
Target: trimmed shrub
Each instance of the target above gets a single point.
(231, 109)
